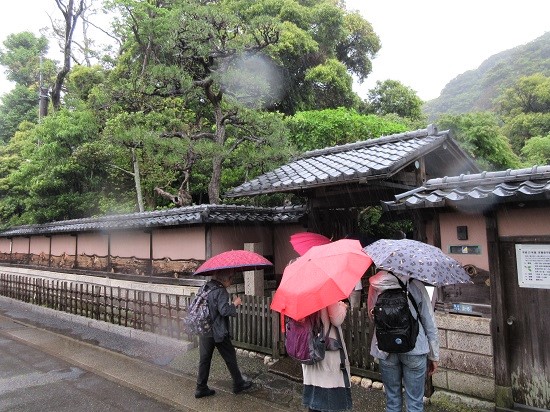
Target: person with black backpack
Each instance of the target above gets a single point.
(220, 308)
(406, 340)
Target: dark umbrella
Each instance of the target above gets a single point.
(234, 259)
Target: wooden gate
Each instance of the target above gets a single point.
(525, 310)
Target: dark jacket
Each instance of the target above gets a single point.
(220, 309)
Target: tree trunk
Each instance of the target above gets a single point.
(71, 17)
(215, 180)
(137, 181)
(214, 185)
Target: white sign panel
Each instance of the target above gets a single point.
(533, 263)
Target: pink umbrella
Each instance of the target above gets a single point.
(303, 241)
(322, 276)
(234, 259)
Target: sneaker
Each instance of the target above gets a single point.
(242, 387)
(201, 393)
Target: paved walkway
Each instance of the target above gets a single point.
(162, 368)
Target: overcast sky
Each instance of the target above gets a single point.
(425, 43)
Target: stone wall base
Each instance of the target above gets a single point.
(464, 383)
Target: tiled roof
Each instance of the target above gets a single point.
(486, 187)
(354, 162)
(190, 215)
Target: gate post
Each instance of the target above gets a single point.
(254, 279)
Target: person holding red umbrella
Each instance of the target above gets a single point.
(221, 308)
(222, 268)
(318, 281)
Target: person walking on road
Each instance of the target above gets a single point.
(409, 368)
(219, 337)
(326, 384)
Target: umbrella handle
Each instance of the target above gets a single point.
(282, 317)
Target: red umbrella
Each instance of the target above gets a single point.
(322, 276)
(303, 241)
(234, 259)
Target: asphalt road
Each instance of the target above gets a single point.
(31, 380)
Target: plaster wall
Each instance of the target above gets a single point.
(234, 237)
(92, 244)
(20, 245)
(63, 244)
(524, 222)
(130, 244)
(5, 245)
(40, 244)
(179, 243)
(477, 236)
(284, 252)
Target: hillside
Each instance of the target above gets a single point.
(475, 90)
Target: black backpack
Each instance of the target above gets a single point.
(396, 327)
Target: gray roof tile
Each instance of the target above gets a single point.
(190, 215)
(370, 159)
(496, 187)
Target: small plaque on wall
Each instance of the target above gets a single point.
(465, 250)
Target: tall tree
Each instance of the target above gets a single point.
(25, 65)
(228, 59)
(393, 97)
(204, 55)
(71, 12)
(321, 47)
(525, 109)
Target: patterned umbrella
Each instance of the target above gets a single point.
(417, 260)
(234, 259)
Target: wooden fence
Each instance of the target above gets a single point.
(255, 327)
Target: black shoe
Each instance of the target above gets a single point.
(242, 387)
(201, 393)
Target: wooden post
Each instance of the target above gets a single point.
(254, 279)
(75, 249)
(503, 384)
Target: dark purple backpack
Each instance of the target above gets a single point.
(305, 340)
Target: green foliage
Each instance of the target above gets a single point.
(537, 151)
(22, 59)
(81, 81)
(313, 37)
(314, 129)
(525, 108)
(54, 180)
(372, 225)
(392, 97)
(331, 87)
(18, 105)
(481, 136)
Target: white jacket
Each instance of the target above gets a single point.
(327, 373)
(427, 341)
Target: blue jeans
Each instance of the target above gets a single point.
(409, 369)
